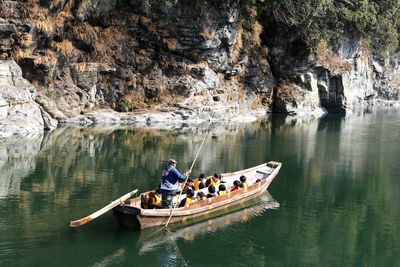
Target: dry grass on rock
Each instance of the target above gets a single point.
(19, 54)
(65, 47)
(289, 93)
(206, 33)
(171, 43)
(329, 60)
(238, 46)
(131, 102)
(48, 59)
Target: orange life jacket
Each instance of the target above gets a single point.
(196, 185)
(153, 200)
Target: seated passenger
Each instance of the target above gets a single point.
(200, 196)
(221, 190)
(144, 201)
(211, 192)
(188, 199)
(200, 182)
(189, 185)
(202, 185)
(236, 185)
(214, 180)
(154, 199)
(243, 181)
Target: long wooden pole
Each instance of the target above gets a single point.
(102, 210)
(187, 176)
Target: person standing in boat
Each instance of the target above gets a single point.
(170, 179)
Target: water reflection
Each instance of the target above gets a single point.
(72, 158)
(17, 160)
(337, 190)
(115, 258)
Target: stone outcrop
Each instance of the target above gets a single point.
(19, 113)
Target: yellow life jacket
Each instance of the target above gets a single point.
(153, 200)
(188, 201)
(157, 200)
(245, 184)
(214, 182)
(223, 192)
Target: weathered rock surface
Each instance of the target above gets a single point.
(19, 113)
(339, 80)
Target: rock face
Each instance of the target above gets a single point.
(197, 60)
(140, 55)
(19, 113)
(336, 80)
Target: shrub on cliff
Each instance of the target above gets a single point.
(375, 20)
(130, 102)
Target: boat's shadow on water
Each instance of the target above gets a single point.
(151, 239)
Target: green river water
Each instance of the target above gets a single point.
(335, 202)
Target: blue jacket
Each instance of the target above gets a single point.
(170, 179)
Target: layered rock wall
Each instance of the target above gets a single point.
(336, 79)
(138, 54)
(198, 59)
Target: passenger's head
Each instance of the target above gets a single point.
(237, 183)
(258, 180)
(211, 189)
(221, 187)
(243, 178)
(215, 177)
(189, 182)
(200, 195)
(190, 193)
(202, 176)
(202, 185)
(157, 191)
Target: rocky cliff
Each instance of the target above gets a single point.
(186, 60)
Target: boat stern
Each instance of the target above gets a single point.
(127, 215)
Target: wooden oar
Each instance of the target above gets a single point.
(102, 211)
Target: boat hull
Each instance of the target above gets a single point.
(127, 216)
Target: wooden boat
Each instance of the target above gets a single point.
(131, 214)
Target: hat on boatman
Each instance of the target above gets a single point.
(172, 161)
